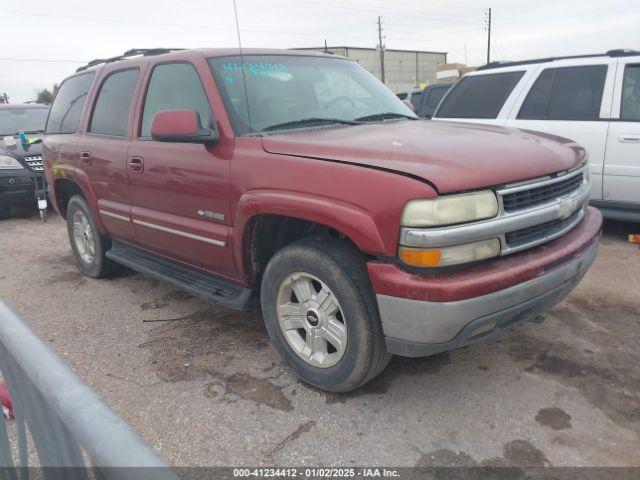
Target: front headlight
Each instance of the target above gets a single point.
(449, 210)
(9, 163)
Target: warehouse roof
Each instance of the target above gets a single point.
(368, 48)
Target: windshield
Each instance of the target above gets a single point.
(20, 118)
(287, 91)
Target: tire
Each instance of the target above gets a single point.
(318, 265)
(4, 211)
(92, 262)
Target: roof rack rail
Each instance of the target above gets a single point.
(619, 52)
(134, 52)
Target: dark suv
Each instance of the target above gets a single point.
(299, 183)
(21, 166)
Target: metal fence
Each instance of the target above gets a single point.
(74, 434)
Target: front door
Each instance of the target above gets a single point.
(622, 162)
(179, 191)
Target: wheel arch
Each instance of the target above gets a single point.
(266, 221)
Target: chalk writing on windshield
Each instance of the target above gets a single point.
(257, 69)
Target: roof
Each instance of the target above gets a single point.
(178, 53)
(369, 49)
(620, 52)
(8, 106)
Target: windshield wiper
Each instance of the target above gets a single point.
(309, 121)
(34, 131)
(383, 116)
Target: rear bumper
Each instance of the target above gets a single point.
(424, 326)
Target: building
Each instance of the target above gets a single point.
(404, 69)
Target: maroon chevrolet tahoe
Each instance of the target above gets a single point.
(299, 184)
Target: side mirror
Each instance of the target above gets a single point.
(428, 116)
(181, 126)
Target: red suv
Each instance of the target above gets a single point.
(298, 183)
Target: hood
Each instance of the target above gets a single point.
(19, 150)
(452, 156)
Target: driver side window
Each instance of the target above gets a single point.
(174, 86)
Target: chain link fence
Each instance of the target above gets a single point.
(73, 434)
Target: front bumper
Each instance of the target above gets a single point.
(420, 327)
(18, 186)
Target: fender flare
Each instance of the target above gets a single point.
(350, 220)
(81, 180)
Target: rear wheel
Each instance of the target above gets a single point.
(4, 211)
(88, 244)
(321, 315)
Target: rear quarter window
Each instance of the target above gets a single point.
(479, 96)
(66, 108)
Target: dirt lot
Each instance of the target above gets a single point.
(203, 386)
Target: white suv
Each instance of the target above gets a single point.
(591, 99)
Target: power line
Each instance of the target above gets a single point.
(154, 24)
(46, 60)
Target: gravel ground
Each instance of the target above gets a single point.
(203, 386)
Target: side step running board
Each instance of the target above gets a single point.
(209, 288)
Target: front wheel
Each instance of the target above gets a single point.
(88, 244)
(320, 312)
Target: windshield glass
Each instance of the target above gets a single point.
(20, 118)
(284, 89)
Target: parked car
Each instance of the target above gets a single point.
(297, 182)
(592, 99)
(411, 98)
(21, 166)
(430, 98)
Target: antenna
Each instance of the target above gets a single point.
(242, 67)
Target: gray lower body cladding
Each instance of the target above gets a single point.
(415, 328)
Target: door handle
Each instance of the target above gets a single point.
(85, 158)
(136, 164)
(629, 138)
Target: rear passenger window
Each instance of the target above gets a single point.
(65, 112)
(479, 96)
(571, 93)
(175, 86)
(630, 109)
(111, 113)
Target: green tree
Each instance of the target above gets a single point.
(46, 96)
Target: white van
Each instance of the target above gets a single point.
(591, 99)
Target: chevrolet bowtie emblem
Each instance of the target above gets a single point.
(566, 208)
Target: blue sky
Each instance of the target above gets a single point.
(45, 41)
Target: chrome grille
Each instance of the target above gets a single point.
(526, 236)
(540, 195)
(35, 163)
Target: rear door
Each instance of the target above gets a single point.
(103, 155)
(622, 162)
(179, 191)
(571, 99)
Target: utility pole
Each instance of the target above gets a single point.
(488, 24)
(381, 47)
